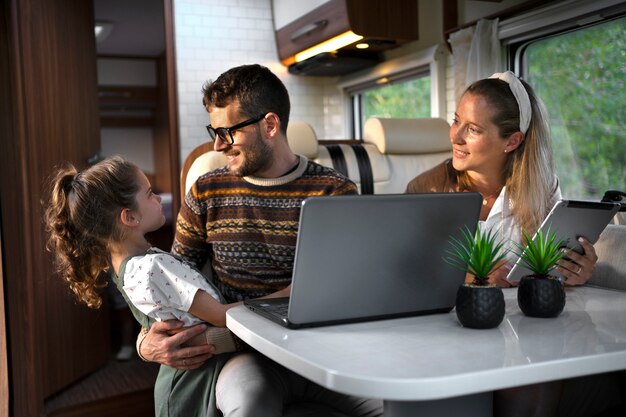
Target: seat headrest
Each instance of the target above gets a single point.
(408, 136)
(302, 139)
(202, 164)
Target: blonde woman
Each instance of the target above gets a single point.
(501, 148)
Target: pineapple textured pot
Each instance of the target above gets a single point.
(541, 296)
(479, 307)
(479, 304)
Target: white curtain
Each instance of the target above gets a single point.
(460, 42)
(476, 54)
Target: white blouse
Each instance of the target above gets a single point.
(163, 287)
(501, 221)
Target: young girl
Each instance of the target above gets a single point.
(97, 219)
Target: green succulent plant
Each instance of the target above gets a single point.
(478, 254)
(541, 254)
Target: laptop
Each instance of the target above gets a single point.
(368, 257)
(570, 219)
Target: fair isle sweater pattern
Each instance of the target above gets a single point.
(247, 228)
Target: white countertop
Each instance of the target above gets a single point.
(433, 357)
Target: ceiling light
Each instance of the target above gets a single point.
(362, 45)
(332, 44)
(102, 30)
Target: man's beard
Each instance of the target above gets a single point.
(256, 157)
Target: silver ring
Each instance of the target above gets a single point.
(580, 268)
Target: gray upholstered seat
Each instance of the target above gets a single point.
(610, 270)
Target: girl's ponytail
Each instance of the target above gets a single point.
(81, 220)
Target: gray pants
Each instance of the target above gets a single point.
(252, 385)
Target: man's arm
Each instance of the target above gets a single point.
(158, 344)
(163, 344)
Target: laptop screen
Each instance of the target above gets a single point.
(365, 256)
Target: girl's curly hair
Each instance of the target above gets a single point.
(81, 219)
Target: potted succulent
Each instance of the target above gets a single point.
(541, 294)
(479, 304)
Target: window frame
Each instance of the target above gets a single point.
(519, 33)
(430, 62)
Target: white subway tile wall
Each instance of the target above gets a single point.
(215, 35)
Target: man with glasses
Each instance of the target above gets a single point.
(243, 219)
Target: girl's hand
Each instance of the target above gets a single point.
(285, 292)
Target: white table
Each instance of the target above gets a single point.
(432, 366)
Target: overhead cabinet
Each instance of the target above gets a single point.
(343, 36)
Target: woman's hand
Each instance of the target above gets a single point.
(498, 277)
(577, 268)
(163, 344)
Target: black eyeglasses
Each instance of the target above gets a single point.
(225, 134)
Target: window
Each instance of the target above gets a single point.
(579, 75)
(411, 86)
(404, 99)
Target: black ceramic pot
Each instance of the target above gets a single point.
(540, 296)
(479, 307)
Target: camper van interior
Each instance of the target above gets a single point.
(373, 86)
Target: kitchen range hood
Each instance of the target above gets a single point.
(344, 36)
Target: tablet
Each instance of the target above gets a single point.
(570, 220)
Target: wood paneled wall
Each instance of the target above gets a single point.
(4, 364)
(49, 115)
(6, 133)
(169, 109)
(166, 153)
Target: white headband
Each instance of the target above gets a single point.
(521, 95)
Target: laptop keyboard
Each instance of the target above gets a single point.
(276, 307)
(280, 309)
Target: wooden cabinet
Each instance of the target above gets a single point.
(127, 106)
(146, 111)
(382, 24)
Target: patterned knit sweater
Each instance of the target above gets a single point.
(247, 227)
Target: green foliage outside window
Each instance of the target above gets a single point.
(580, 76)
(409, 99)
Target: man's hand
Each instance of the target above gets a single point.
(163, 344)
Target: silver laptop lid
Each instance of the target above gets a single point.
(377, 255)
